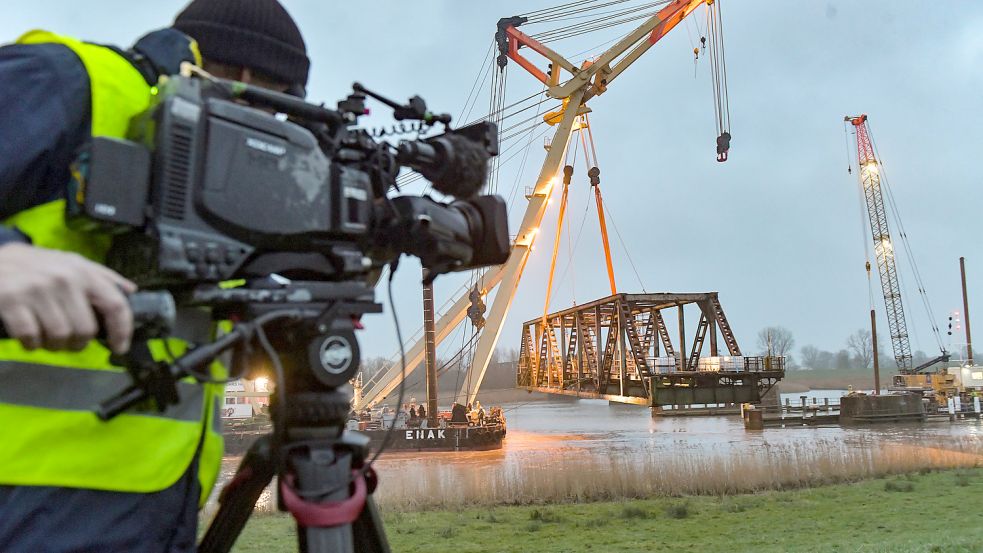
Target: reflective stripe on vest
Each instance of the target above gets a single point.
(70, 389)
(49, 436)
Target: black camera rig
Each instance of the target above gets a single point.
(210, 187)
(219, 180)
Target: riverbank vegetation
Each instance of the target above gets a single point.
(921, 511)
(555, 478)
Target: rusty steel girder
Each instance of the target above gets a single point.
(619, 348)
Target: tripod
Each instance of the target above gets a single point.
(313, 486)
(322, 477)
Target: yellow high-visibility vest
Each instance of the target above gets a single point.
(49, 435)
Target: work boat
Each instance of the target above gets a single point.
(465, 432)
(245, 417)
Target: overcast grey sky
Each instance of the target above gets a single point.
(776, 230)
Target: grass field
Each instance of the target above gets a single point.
(920, 512)
(832, 379)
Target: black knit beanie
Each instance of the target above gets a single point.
(256, 34)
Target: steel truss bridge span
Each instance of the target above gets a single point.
(621, 349)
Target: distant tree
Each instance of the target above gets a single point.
(815, 358)
(842, 360)
(372, 365)
(776, 340)
(885, 359)
(449, 365)
(826, 360)
(810, 356)
(860, 345)
(504, 355)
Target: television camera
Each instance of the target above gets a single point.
(220, 181)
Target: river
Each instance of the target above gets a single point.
(579, 436)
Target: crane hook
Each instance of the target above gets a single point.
(723, 146)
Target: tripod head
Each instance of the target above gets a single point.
(316, 318)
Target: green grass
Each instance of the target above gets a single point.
(933, 512)
(818, 379)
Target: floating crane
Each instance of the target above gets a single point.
(582, 83)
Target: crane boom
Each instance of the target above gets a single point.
(584, 83)
(870, 179)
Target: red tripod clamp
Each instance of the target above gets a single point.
(329, 513)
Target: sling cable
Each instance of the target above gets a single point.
(594, 174)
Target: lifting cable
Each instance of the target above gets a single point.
(606, 14)
(458, 359)
(525, 152)
(886, 187)
(410, 178)
(460, 355)
(393, 359)
(496, 114)
(598, 47)
(574, 8)
(718, 70)
(573, 279)
(546, 12)
(567, 177)
(476, 86)
(496, 105)
(606, 19)
(625, 248)
(580, 233)
(441, 370)
(864, 224)
(582, 30)
(594, 174)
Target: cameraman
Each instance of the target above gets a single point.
(69, 482)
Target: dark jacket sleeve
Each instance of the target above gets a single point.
(44, 118)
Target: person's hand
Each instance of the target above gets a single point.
(50, 298)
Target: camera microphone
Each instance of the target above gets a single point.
(455, 162)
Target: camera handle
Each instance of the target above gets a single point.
(158, 380)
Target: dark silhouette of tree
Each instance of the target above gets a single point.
(775, 340)
(860, 345)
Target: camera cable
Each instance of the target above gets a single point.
(387, 440)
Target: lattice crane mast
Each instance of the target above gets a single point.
(870, 180)
(586, 81)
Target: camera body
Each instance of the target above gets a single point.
(209, 187)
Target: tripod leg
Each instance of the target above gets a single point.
(370, 536)
(321, 468)
(239, 497)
